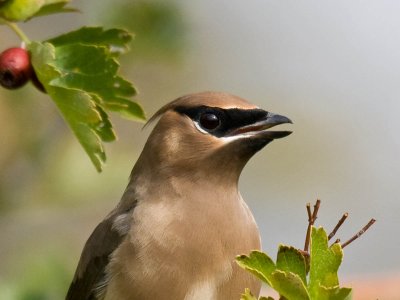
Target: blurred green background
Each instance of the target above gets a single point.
(333, 67)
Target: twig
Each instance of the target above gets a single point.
(307, 241)
(315, 212)
(341, 221)
(356, 236)
(309, 211)
(311, 220)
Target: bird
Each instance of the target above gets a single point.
(181, 220)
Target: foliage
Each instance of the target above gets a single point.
(22, 10)
(79, 71)
(288, 276)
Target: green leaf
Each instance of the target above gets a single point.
(290, 259)
(324, 265)
(85, 117)
(126, 109)
(79, 71)
(116, 40)
(334, 293)
(289, 285)
(54, 8)
(97, 76)
(88, 59)
(258, 263)
(20, 10)
(23, 10)
(288, 276)
(324, 261)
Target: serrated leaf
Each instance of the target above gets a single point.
(104, 129)
(126, 108)
(88, 64)
(97, 76)
(86, 118)
(116, 40)
(289, 259)
(289, 285)
(84, 59)
(334, 293)
(79, 72)
(54, 7)
(285, 283)
(324, 265)
(258, 263)
(324, 261)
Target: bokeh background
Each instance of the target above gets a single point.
(333, 67)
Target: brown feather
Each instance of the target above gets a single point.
(91, 274)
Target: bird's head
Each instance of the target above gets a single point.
(209, 134)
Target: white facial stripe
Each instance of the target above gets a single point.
(228, 139)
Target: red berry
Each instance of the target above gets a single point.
(15, 68)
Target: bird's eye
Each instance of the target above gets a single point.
(209, 121)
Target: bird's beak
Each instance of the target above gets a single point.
(260, 126)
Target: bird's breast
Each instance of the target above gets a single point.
(209, 222)
(190, 243)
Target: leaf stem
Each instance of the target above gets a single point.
(18, 31)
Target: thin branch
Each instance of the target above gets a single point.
(361, 232)
(315, 212)
(307, 241)
(311, 220)
(309, 211)
(341, 221)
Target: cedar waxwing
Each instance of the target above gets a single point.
(181, 220)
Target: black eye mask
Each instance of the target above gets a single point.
(220, 122)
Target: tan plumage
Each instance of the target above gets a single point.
(182, 221)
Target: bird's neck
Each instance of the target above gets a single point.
(150, 177)
(159, 169)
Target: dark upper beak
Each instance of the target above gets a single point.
(260, 126)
